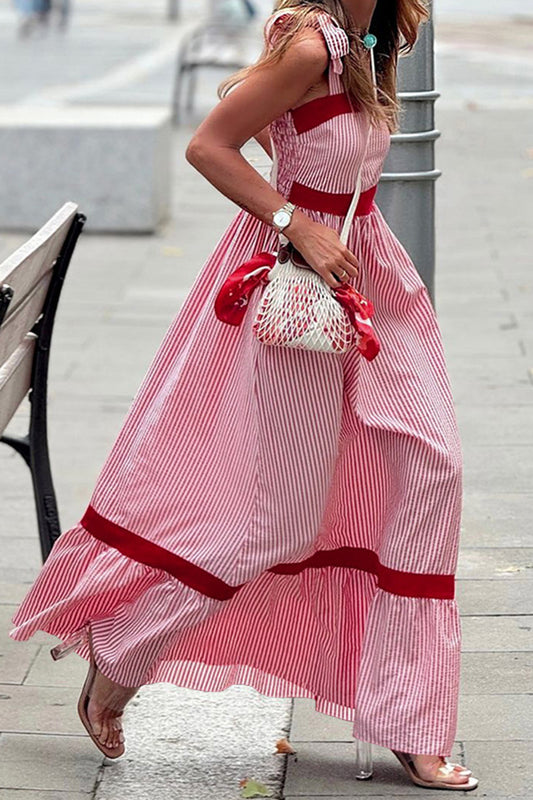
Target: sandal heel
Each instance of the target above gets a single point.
(364, 767)
(69, 644)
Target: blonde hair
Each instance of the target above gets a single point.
(395, 24)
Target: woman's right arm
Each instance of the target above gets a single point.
(248, 109)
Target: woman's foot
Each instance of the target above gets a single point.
(429, 768)
(106, 704)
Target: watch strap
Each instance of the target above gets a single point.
(289, 209)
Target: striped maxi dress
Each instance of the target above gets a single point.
(284, 519)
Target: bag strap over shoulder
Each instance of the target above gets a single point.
(345, 232)
(357, 193)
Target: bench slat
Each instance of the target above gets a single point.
(15, 379)
(19, 323)
(24, 268)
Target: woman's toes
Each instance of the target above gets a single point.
(461, 769)
(99, 728)
(105, 728)
(117, 729)
(453, 776)
(104, 734)
(440, 770)
(111, 734)
(105, 709)
(458, 769)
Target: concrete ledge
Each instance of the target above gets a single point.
(114, 162)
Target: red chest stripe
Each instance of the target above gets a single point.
(319, 110)
(409, 584)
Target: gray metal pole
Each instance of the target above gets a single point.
(173, 10)
(406, 193)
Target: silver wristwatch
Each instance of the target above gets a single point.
(282, 217)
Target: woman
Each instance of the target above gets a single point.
(283, 518)
(32, 12)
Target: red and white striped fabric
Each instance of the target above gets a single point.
(283, 518)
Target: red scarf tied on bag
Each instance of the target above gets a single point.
(234, 296)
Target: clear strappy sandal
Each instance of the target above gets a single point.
(61, 650)
(364, 769)
(406, 760)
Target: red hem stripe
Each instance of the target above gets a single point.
(408, 584)
(314, 113)
(139, 549)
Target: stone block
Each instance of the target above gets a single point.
(496, 519)
(114, 162)
(12, 593)
(31, 794)
(40, 709)
(502, 563)
(309, 725)
(184, 744)
(515, 427)
(44, 671)
(498, 467)
(16, 659)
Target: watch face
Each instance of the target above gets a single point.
(282, 218)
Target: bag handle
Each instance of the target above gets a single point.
(345, 232)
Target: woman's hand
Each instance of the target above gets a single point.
(322, 249)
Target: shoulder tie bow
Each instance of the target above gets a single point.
(336, 40)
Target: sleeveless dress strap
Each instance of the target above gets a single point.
(336, 40)
(335, 37)
(272, 20)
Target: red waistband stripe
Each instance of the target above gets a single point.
(408, 584)
(331, 203)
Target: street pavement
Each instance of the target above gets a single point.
(119, 298)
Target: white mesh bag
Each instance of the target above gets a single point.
(299, 309)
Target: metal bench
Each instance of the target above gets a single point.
(31, 280)
(220, 42)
